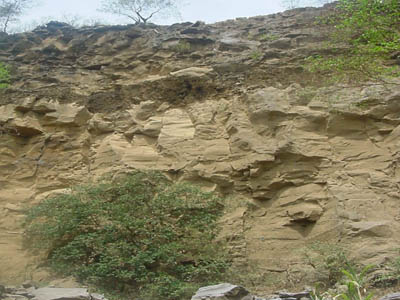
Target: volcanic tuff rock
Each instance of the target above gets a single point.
(220, 105)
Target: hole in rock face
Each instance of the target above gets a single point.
(200, 90)
(302, 222)
(188, 85)
(303, 226)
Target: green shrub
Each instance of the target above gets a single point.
(390, 274)
(369, 25)
(4, 76)
(182, 47)
(140, 233)
(328, 261)
(355, 285)
(255, 55)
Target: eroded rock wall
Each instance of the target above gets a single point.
(220, 105)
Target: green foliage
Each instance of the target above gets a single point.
(348, 68)
(4, 76)
(182, 47)
(355, 283)
(390, 274)
(139, 234)
(328, 261)
(371, 26)
(368, 32)
(256, 55)
(269, 37)
(317, 294)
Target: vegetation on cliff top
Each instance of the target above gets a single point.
(364, 38)
(140, 234)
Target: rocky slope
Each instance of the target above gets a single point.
(223, 105)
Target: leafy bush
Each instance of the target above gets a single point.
(355, 283)
(328, 261)
(355, 286)
(369, 25)
(140, 233)
(4, 76)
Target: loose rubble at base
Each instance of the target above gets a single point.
(223, 291)
(227, 291)
(28, 291)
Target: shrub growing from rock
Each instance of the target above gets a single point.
(140, 233)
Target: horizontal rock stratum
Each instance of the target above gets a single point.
(230, 112)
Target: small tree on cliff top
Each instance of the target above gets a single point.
(10, 10)
(140, 11)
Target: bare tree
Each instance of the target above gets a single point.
(10, 10)
(290, 4)
(323, 2)
(140, 11)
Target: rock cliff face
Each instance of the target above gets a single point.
(222, 105)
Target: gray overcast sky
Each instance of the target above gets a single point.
(206, 10)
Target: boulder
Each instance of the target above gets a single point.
(27, 291)
(61, 294)
(68, 115)
(26, 127)
(193, 72)
(223, 291)
(394, 296)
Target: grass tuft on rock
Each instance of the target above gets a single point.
(4, 76)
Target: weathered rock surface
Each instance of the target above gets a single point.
(393, 296)
(300, 164)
